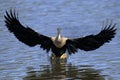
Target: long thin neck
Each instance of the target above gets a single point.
(58, 36)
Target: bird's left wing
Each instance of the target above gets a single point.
(25, 34)
(92, 42)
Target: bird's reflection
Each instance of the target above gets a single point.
(59, 70)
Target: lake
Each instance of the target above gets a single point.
(76, 18)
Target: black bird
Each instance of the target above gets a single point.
(58, 45)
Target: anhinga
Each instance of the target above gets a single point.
(58, 45)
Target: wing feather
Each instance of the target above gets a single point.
(92, 42)
(25, 34)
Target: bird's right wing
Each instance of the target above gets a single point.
(92, 42)
(26, 34)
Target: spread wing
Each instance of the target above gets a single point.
(25, 34)
(92, 42)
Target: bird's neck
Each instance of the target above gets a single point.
(58, 38)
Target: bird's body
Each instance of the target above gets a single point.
(60, 42)
(58, 45)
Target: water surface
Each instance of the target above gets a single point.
(77, 18)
